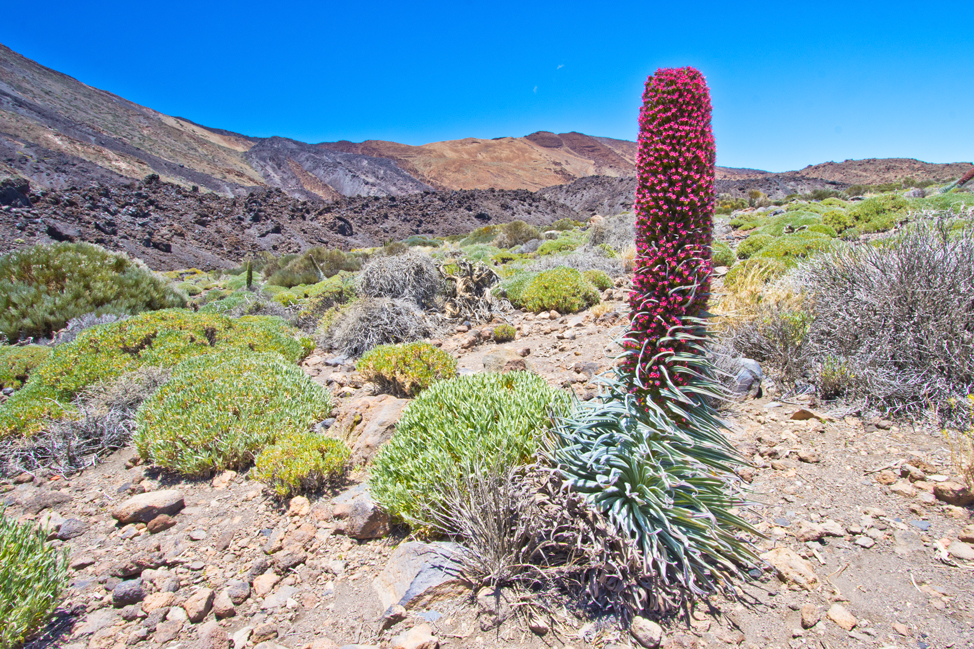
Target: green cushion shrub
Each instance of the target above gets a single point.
(17, 362)
(598, 278)
(406, 369)
(189, 289)
(32, 576)
(752, 245)
(44, 286)
(822, 228)
(158, 338)
(793, 247)
(486, 419)
(723, 255)
(482, 235)
(301, 462)
(878, 214)
(220, 411)
(560, 289)
(504, 333)
(480, 251)
(554, 246)
(233, 301)
(514, 286)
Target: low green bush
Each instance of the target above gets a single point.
(793, 247)
(158, 338)
(229, 303)
(516, 233)
(220, 411)
(480, 251)
(482, 235)
(563, 225)
(514, 286)
(556, 246)
(746, 221)
(723, 255)
(16, 363)
(504, 333)
(33, 575)
(598, 278)
(560, 289)
(490, 420)
(421, 240)
(878, 214)
(190, 289)
(407, 369)
(822, 228)
(782, 224)
(301, 463)
(43, 287)
(752, 245)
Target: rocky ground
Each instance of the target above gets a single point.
(869, 537)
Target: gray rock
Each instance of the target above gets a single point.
(238, 591)
(127, 592)
(961, 550)
(747, 378)
(358, 516)
(100, 619)
(34, 500)
(289, 558)
(418, 574)
(279, 599)
(71, 528)
(505, 359)
(144, 507)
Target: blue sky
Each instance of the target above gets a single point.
(791, 85)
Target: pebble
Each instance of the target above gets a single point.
(810, 615)
(838, 614)
(646, 632)
(127, 592)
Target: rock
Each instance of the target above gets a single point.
(14, 192)
(418, 637)
(223, 606)
(810, 615)
(167, 631)
(418, 574)
(831, 528)
(912, 473)
(838, 614)
(961, 550)
(358, 515)
(71, 528)
(885, 477)
(198, 605)
(263, 632)
(370, 422)
(953, 493)
(96, 621)
(160, 523)
(156, 601)
(34, 500)
(791, 568)
(747, 377)
(803, 414)
(524, 352)
(299, 506)
(60, 231)
(646, 632)
(809, 457)
(494, 608)
(538, 627)
(393, 616)
(127, 593)
(967, 534)
(280, 598)
(238, 591)
(903, 488)
(289, 559)
(505, 359)
(144, 507)
(809, 532)
(865, 542)
(241, 637)
(213, 637)
(223, 480)
(264, 584)
(902, 629)
(197, 535)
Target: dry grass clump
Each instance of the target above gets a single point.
(618, 232)
(370, 322)
(410, 275)
(583, 259)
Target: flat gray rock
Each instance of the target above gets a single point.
(419, 574)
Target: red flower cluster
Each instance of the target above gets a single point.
(674, 217)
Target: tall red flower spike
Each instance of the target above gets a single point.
(674, 218)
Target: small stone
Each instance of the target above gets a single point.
(299, 506)
(885, 477)
(144, 507)
(646, 632)
(393, 616)
(903, 488)
(809, 532)
(865, 542)
(71, 528)
(288, 559)
(177, 613)
(127, 592)
(241, 638)
(264, 584)
(213, 637)
(831, 528)
(167, 631)
(810, 615)
(809, 457)
(238, 591)
(791, 568)
(838, 614)
(263, 632)
(160, 523)
(418, 637)
(197, 535)
(954, 493)
(155, 601)
(961, 550)
(967, 534)
(199, 605)
(82, 562)
(538, 627)
(223, 606)
(223, 480)
(902, 629)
